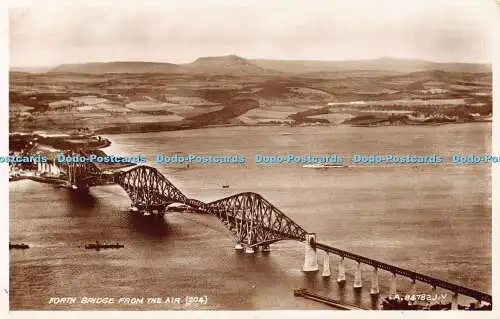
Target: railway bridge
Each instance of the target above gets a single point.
(254, 221)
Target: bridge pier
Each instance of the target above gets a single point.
(374, 290)
(326, 265)
(311, 258)
(454, 301)
(433, 294)
(249, 250)
(341, 274)
(478, 303)
(392, 287)
(238, 246)
(265, 248)
(413, 287)
(358, 284)
(413, 290)
(55, 169)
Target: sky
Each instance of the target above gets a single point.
(435, 30)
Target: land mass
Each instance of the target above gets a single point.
(127, 96)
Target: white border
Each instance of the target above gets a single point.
(491, 12)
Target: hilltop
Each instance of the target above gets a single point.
(117, 67)
(231, 64)
(239, 66)
(385, 64)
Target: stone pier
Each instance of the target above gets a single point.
(478, 303)
(238, 246)
(413, 287)
(413, 291)
(265, 248)
(341, 274)
(311, 258)
(374, 290)
(357, 277)
(133, 208)
(248, 248)
(326, 265)
(454, 301)
(393, 285)
(434, 292)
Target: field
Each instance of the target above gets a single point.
(125, 102)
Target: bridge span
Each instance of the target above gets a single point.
(254, 221)
(414, 276)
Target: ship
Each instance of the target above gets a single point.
(18, 246)
(324, 165)
(98, 246)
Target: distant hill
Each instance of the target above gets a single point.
(382, 64)
(119, 67)
(35, 69)
(229, 64)
(236, 65)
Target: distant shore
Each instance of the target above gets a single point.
(165, 127)
(146, 129)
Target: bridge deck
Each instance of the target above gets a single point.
(109, 166)
(408, 273)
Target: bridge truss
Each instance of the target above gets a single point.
(252, 219)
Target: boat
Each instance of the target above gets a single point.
(324, 165)
(98, 246)
(304, 293)
(225, 186)
(18, 246)
(13, 178)
(286, 133)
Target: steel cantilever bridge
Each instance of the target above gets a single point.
(253, 220)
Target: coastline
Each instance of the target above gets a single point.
(164, 127)
(145, 129)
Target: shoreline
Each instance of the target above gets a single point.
(114, 130)
(145, 130)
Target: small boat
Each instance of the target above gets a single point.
(324, 165)
(286, 133)
(18, 246)
(225, 186)
(98, 246)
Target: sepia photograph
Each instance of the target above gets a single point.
(331, 155)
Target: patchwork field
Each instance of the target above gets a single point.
(122, 102)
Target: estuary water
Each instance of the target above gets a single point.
(434, 219)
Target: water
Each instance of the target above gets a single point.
(434, 220)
